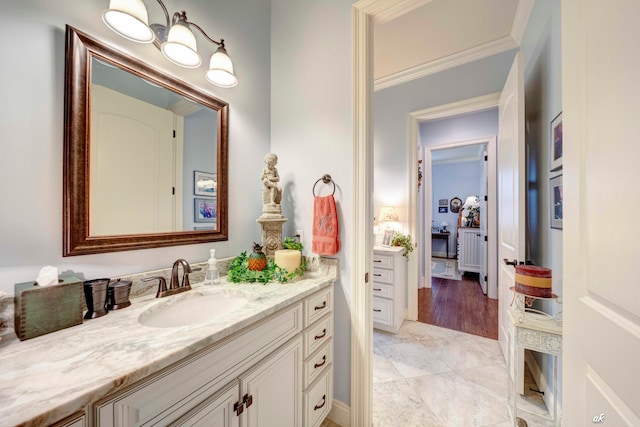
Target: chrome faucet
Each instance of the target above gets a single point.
(176, 286)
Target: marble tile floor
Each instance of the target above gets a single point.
(426, 376)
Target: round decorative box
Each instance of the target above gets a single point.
(534, 281)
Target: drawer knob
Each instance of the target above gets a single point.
(377, 260)
(320, 307)
(377, 310)
(317, 365)
(377, 275)
(322, 335)
(324, 400)
(377, 289)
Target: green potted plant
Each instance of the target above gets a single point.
(404, 241)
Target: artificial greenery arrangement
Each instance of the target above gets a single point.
(403, 240)
(239, 268)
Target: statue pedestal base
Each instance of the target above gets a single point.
(271, 233)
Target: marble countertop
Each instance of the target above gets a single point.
(45, 379)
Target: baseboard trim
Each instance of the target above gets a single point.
(340, 414)
(540, 380)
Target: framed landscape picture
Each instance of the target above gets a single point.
(205, 184)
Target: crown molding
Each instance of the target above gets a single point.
(387, 10)
(500, 45)
(523, 11)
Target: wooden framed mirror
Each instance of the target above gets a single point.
(155, 177)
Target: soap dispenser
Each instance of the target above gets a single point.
(212, 276)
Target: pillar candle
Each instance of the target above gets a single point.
(288, 259)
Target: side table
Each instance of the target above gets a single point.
(537, 332)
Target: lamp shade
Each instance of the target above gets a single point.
(472, 202)
(180, 47)
(220, 71)
(388, 214)
(129, 19)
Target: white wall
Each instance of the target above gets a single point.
(32, 83)
(311, 133)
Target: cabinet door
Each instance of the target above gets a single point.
(217, 411)
(272, 391)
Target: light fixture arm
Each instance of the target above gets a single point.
(217, 43)
(166, 13)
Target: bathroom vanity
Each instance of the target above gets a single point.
(268, 362)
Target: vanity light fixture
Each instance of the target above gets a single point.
(129, 18)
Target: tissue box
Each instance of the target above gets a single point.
(40, 310)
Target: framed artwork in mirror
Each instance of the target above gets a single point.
(205, 210)
(556, 143)
(205, 184)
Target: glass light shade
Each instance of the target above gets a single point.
(220, 71)
(388, 214)
(129, 19)
(180, 47)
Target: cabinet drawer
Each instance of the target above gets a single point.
(382, 276)
(380, 290)
(215, 411)
(76, 420)
(317, 335)
(317, 305)
(382, 261)
(317, 363)
(318, 399)
(383, 310)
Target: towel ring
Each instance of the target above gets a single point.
(326, 178)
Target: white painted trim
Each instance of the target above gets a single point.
(385, 11)
(340, 414)
(495, 47)
(362, 225)
(541, 382)
(471, 105)
(521, 19)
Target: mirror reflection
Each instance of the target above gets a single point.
(153, 154)
(145, 155)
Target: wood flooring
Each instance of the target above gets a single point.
(459, 305)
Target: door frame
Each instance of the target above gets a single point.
(465, 106)
(491, 215)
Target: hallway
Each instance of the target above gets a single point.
(459, 305)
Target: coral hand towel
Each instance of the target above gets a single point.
(325, 226)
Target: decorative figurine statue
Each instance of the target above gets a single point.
(271, 219)
(271, 193)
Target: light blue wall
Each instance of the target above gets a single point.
(461, 128)
(391, 109)
(311, 132)
(31, 163)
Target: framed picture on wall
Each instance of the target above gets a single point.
(556, 143)
(205, 184)
(205, 210)
(387, 238)
(555, 204)
(443, 209)
(443, 202)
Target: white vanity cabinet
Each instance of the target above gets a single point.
(265, 375)
(389, 288)
(318, 357)
(470, 250)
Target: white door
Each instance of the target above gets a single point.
(132, 165)
(511, 200)
(600, 93)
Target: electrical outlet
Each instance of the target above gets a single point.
(300, 237)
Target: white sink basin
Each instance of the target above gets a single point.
(192, 308)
